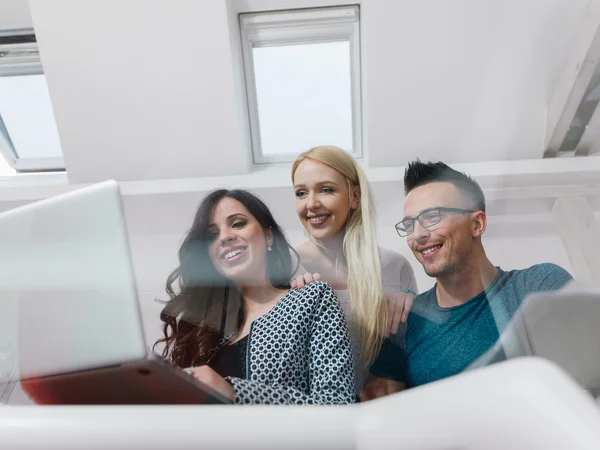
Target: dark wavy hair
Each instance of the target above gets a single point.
(207, 305)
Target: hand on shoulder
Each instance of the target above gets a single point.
(302, 280)
(399, 305)
(306, 251)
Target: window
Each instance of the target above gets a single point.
(29, 139)
(302, 71)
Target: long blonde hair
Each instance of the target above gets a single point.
(368, 312)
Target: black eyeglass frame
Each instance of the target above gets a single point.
(440, 209)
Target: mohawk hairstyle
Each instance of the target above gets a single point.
(419, 173)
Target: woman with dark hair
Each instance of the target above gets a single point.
(236, 325)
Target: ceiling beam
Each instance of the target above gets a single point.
(590, 139)
(548, 178)
(574, 80)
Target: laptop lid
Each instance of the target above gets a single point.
(561, 326)
(67, 275)
(564, 327)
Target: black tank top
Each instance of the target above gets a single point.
(230, 360)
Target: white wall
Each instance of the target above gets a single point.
(14, 14)
(466, 80)
(142, 89)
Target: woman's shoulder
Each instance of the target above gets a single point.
(315, 294)
(397, 273)
(391, 258)
(311, 259)
(316, 289)
(307, 250)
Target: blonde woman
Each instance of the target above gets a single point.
(375, 286)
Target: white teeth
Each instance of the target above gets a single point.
(317, 219)
(431, 250)
(233, 253)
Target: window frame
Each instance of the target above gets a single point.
(25, 62)
(301, 26)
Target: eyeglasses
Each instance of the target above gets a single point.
(427, 219)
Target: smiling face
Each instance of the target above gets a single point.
(238, 247)
(323, 201)
(445, 248)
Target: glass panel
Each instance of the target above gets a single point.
(5, 169)
(27, 114)
(583, 114)
(304, 96)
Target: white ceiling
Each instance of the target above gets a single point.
(14, 14)
(515, 190)
(147, 89)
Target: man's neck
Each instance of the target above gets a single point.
(472, 280)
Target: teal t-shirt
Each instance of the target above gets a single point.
(439, 342)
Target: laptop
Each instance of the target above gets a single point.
(561, 326)
(68, 300)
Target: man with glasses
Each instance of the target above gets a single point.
(462, 316)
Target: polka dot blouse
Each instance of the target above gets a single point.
(299, 352)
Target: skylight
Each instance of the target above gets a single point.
(29, 138)
(302, 72)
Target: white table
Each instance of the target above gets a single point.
(526, 403)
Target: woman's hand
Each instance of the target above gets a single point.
(213, 379)
(380, 387)
(302, 280)
(399, 305)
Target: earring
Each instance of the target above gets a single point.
(269, 248)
